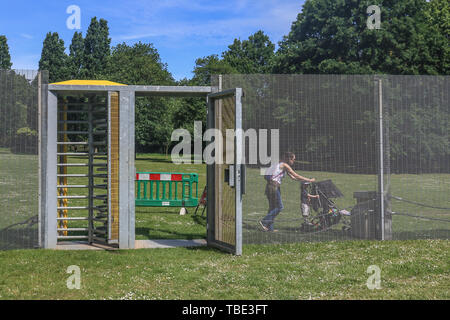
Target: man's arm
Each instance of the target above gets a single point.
(291, 173)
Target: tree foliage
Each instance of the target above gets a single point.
(207, 66)
(53, 58)
(251, 56)
(332, 37)
(76, 55)
(96, 49)
(438, 18)
(141, 64)
(5, 58)
(18, 112)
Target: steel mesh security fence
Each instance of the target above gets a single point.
(417, 121)
(360, 137)
(19, 160)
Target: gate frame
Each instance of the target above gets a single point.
(127, 171)
(239, 172)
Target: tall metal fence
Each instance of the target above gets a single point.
(19, 157)
(377, 146)
(363, 139)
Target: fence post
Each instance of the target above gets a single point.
(380, 156)
(40, 221)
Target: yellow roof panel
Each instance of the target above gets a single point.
(89, 82)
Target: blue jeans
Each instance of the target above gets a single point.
(275, 206)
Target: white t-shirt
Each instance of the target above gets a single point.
(276, 173)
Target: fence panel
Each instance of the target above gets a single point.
(332, 124)
(417, 122)
(19, 159)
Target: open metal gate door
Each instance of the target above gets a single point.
(224, 175)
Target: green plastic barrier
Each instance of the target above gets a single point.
(164, 189)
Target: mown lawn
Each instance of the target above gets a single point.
(18, 185)
(329, 270)
(430, 189)
(166, 222)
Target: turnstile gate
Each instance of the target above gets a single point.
(87, 169)
(88, 173)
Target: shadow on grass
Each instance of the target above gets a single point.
(170, 234)
(155, 159)
(208, 249)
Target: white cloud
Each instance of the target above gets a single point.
(26, 36)
(239, 19)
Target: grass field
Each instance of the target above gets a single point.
(18, 187)
(327, 270)
(166, 223)
(334, 270)
(429, 189)
(19, 184)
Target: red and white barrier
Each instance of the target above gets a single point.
(158, 177)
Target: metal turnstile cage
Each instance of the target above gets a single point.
(87, 166)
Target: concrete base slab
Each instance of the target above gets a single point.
(144, 244)
(139, 244)
(81, 245)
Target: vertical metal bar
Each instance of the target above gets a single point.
(43, 159)
(381, 156)
(39, 159)
(109, 235)
(124, 106)
(127, 170)
(238, 161)
(63, 170)
(132, 172)
(50, 182)
(90, 174)
(210, 182)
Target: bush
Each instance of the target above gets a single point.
(25, 141)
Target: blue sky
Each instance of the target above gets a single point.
(181, 30)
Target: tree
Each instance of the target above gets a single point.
(54, 59)
(251, 56)
(332, 37)
(138, 65)
(96, 49)
(76, 55)
(189, 110)
(207, 66)
(18, 110)
(5, 58)
(438, 17)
